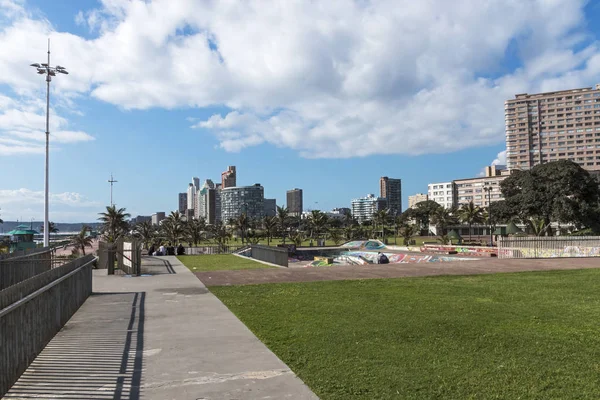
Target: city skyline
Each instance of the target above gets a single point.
(325, 124)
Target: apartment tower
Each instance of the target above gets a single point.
(294, 202)
(228, 178)
(391, 190)
(552, 126)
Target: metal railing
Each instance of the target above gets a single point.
(15, 268)
(549, 247)
(34, 310)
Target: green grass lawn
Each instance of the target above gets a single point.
(219, 262)
(275, 241)
(505, 336)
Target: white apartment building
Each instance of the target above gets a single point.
(363, 208)
(442, 193)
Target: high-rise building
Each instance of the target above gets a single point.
(443, 193)
(191, 196)
(206, 202)
(294, 202)
(157, 217)
(270, 207)
(196, 182)
(182, 202)
(391, 190)
(476, 189)
(551, 126)
(363, 208)
(139, 219)
(416, 199)
(228, 178)
(242, 199)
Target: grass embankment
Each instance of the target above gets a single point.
(219, 262)
(505, 336)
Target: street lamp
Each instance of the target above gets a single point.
(49, 71)
(488, 190)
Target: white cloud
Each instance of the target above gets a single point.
(500, 158)
(26, 203)
(329, 79)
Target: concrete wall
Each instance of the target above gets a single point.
(29, 320)
(273, 255)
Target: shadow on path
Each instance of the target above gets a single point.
(156, 265)
(97, 355)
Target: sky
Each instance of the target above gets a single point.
(327, 96)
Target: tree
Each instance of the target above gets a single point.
(297, 238)
(317, 221)
(220, 235)
(173, 227)
(283, 216)
(51, 227)
(407, 232)
(561, 191)
(114, 223)
(81, 240)
(443, 218)
(471, 214)
(381, 218)
(423, 212)
(335, 236)
(194, 230)
(537, 226)
(270, 225)
(146, 232)
(241, 224)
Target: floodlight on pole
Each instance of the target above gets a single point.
(49, 71)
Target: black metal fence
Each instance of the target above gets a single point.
(549, 247)
(34, 310)
(15, 268)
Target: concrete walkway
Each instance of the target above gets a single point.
(163, 336)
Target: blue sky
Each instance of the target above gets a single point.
(327, 97)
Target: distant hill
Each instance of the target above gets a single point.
(62, 227)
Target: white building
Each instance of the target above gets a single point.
(416, 199)
(363, 208)
(191, 197)
(442, 193)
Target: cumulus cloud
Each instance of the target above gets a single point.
(329, 79)
(500, 158)
(27, 203)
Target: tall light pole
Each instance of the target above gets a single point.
(111, 181)
(49, 71)
(488, 190)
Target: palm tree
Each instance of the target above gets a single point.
(270, 225)
(443, 218)
(172, 227)
(283, 216)
(317, 221)
(241, 224)
(381, 217)
(51, 227)
(114, 222)
(335, 236)
(146, 232)
(194, 230)
(538, 226)
(81, 240)
(220, 234)
(470, 213)
(297, 238)
(407, 232)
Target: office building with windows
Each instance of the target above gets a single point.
(481, 190)
(242, 199)
(391, 190)
(182, 202)
(229, 177)
(270, 207)
(443, 193)
(552, 126)
(363, 208)
(294, 202)
(416, 199)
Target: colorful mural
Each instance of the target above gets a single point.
(463, 250)
(364, 244)
(370, 257)
(567, 251)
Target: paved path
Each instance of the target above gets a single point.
(470, 267)
(159, 337)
